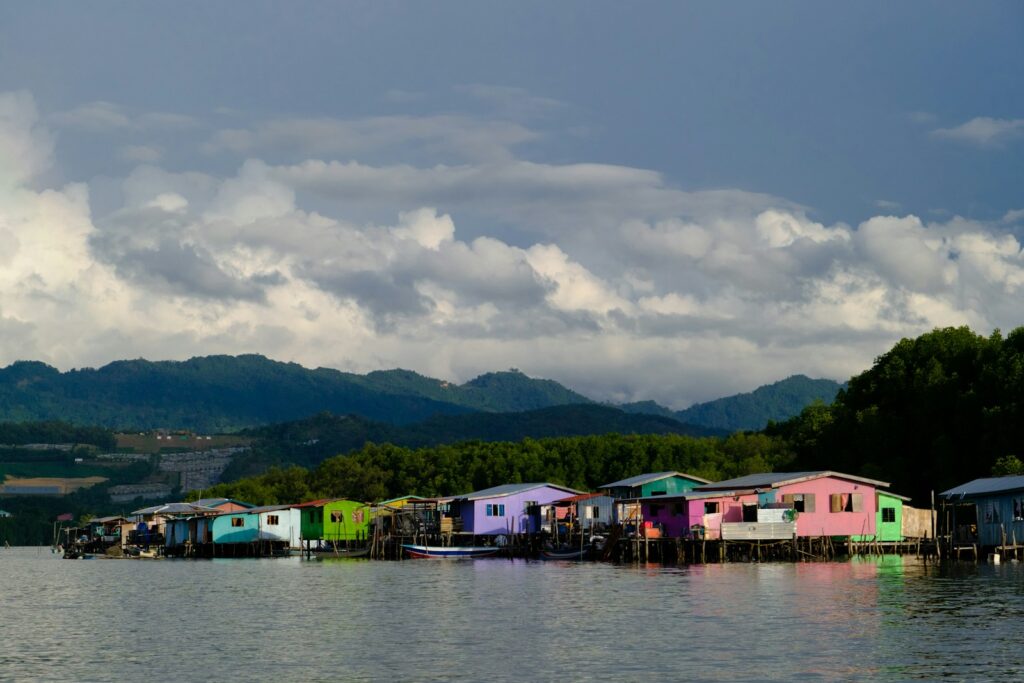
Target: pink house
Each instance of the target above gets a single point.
(828, 503)
(690, 514)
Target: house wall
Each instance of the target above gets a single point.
(996, 513)
(605, 512)
(287, 529)
(475, 519)
(352, 524)
(676, 514)
(311, 527)
(670, 486)
(224, 532)
(886, 531)
(823, 522)
(917, 523)
(230, 506)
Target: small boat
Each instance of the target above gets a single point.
(437, 552)
(565, 554)
(340, 553)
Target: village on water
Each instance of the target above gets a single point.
(669, 517)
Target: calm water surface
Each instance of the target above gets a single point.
(497, 620)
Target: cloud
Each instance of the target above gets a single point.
(25, 146)
(514, 102)
(606, 277)
(1013, 216)
(984, 131)
(887, 205)
(457, 136)
(101, 116)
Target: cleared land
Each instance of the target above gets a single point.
(63, 485)
(155, 443)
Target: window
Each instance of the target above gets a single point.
(658, 493)
(677, 509)
(595, 512)
(846, 502)
(337, 516)
(501, 510)
(490, 510)
(711, 508)
(495, 510)
(801, 502)
(654, 509)
(237, 521)
(888, 515)
(272, 520)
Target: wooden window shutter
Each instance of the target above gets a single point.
(835, 502)
(857, 502)
(808, 502)
(787, 498)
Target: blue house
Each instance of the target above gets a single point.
(994, 504)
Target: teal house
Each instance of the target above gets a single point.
(235, 527)
(627, 492)
(653, 484)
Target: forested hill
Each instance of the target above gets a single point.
(771, 402)
(309, 441)
(751, 411)
(223, 393)
(931, 413)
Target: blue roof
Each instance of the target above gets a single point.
(641, 479)
(767, 480)
(986, 486)
(512, 489)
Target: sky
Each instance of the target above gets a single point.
(669, 201)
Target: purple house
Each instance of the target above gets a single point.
(509, 508)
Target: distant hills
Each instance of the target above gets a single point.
(224, 393)
(751, 411)
(227, 393)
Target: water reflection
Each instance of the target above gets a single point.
(888, 617)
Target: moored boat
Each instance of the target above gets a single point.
(436, 552)
(341, 553)
(573, 554)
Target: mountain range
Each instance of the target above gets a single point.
(226, 393)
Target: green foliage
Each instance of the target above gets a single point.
(772, 402)
(1007, 465)
(308, 442)
(52, 432)
(377, 472)
(932, 412)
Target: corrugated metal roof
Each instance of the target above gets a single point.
(214, 502)
(641, 479)
(767, 480)
(582, 496)
(174, 509)
(265, 508)
(693, 495)
(986, 486)
(512, 489)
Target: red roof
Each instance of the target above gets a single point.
(582, 496)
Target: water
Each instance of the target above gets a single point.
(496, 620)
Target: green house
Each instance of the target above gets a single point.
(334, 520)
(653, 484)
(888, 518)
